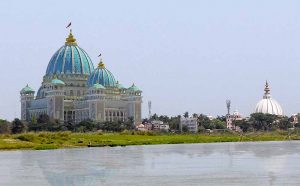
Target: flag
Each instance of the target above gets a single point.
(69, 25)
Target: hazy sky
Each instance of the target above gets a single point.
(185, 55)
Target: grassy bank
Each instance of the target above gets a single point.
(54, 140)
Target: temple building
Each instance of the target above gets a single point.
(72, 90)
(268, 105)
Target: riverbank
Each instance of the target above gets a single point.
(55, 140)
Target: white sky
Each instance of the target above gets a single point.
(185, 55)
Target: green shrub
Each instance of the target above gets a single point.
(26, 137)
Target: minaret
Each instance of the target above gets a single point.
(27, 95)
(135, 104)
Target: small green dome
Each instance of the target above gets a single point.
(56, 81)
(134, 88)
(98, 86)
(120, 86)
(26, 90)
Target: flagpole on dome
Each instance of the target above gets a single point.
(101, 64)
(70, 40)
(69, 25)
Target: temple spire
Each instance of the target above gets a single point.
(267, 90)
(101, 64)
(70, 40)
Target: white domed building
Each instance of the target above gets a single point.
(268, 105)
(72, 90)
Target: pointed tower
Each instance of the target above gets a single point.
(135, 103)
(27, 95)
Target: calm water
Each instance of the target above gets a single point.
(262, 163)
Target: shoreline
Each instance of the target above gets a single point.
(64, 140)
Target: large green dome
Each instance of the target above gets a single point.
(70, 59)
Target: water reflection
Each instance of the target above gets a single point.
(263, 163)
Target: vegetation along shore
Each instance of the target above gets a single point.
(55, 140)
(45, 133)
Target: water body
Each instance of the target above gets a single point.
(251, 163)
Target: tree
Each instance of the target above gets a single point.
(186, 114)
(244, 125)
(17, 126)
(185, 128)
(154, 116)
(261, 121)
(129, 124)
(164, 118)
(43, 118)
(221, 118)
(205, 122)
(174, 123)
(219, 124)
(284, 123)
(4, 127)
(86, 126)
(195, 115)
(45, 123)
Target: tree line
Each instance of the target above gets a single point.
(256, 122)
(45, 123)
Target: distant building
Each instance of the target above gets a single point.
(148, 126)
(294, 119)
(141, 127)
(164, 126)
(191, 123)
(230, 118)
(156, 124)
(160, 125)
(210, 117)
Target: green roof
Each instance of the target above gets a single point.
(27, 89)
(98, 86)
(56, 81)
(134, 88)
(120, 86)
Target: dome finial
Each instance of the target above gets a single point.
(70, 40)
(267, 91)
(101, 64)
(267, 88)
